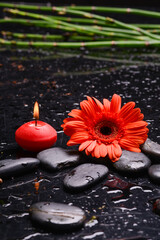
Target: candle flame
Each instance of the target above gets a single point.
(36, 111)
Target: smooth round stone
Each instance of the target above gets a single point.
(151, 148)
(154, 172)
(84, 176)
(58, 158)
(57, 216)
(132, 162)
(10, 167)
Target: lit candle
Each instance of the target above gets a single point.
(36, 135)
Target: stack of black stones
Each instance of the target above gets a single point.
(60, 216)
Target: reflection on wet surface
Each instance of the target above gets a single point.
(119, 207)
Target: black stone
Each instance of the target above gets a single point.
(132, 162)
(57, 216)
(58, 158)
(154, 172)
(10, 167)
(151, 148)
(84, 176)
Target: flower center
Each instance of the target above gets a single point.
(106, 130)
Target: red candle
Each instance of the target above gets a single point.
(36, 135)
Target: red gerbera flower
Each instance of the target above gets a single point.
(103, 129)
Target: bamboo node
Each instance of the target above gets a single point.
(30, 43)
(108, 19)
(53, 8)
(88, 15)
(128, 10)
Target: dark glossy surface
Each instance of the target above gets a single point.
(57, 216)
(58, 158)
(84, 176)
(10, 167)
(119, 207)
(151, 148)
(154, 172)
(132, 162)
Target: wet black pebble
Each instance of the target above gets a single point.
(84, 176)
(154, 172)
(57, 216)
(151, 148)
(10, 167)
(58, 158)
(132, 162)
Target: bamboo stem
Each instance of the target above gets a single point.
(84, 14)
(59, 37)
(70, 27)
(120, 33)
(32, 36)
(43, 23)
(79, 44)
(117, 10)
(113, 28)
(84, 8)
(147, 26)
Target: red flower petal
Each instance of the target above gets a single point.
(117, 150)
(107, 104)
(103, 150)
(109, 151)
(77, 138)
(87, 108)
(129, 145)
(91, 147)
(134, 115)
(115, 103)
(125, 110)
(99, 104)
(84, 145)
(76, 124)
(138, 124)
(76, 113)
(96, 151)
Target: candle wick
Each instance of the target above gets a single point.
(35, 122)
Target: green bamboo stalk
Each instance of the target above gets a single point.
(117, 10)
(79, 44)
(154, 28)
(43, 23)
(46, 37)
(52, 21)
(83, 8)
(147, 26)
(118, 30)
(132, 27)
(80, 20)
(22, 21)
(67, 26)
(29, 22)
(154, 31)
(32, 36)
(84, 14)
(58, 37)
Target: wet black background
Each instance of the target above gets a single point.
(59, 80)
